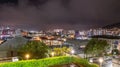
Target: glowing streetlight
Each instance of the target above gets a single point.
(91, 60)
(101, 61)
(72, 52)
(52, 54)
(64, 40)
(27, 56)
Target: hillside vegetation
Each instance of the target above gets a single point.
(47, 62)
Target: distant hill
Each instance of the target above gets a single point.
(115, 25)
(106, 36)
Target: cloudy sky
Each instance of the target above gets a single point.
(68, 14)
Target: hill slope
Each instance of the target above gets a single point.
(115, 25)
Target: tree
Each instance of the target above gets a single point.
(35, 49)
(115, 52)
(96, 47)
(61, 51)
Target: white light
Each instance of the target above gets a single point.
(91, 60)
(15, 59)
(72, 51)
(100, 60)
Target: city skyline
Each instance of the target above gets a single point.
(50, 14)
(59, 33)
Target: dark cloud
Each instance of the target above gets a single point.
(68, 14)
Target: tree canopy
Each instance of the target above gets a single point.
(61, 51)
(35, 49)
(96, 47)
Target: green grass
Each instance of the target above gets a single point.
(49, 62)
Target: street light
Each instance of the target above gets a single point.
(72, 52)
(64, 40)
(91, 60)
(52, 54)
(101, 61)
(27, 56)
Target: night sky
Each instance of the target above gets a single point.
(67, 14)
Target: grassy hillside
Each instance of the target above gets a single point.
(49, 62)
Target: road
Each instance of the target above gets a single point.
(107, 63)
